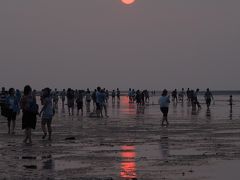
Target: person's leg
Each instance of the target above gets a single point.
(44, 129)
(9, 119)
(94, 106)
(13, 123)
(105, 110)
(49, 125)
(69, 110)
(88, 108)
(82, 111)
(198, 104)
(166, 119)
(13, 126)
(26, 136)
(97, 109)
(30, 135)
(9, 125)
(163, 120)
(101, 110)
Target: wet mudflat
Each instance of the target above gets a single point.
(129, 144)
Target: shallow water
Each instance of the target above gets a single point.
(130, 144)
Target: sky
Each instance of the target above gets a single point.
(151, 44)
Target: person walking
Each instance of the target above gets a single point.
(88, 100)
(164, 102)
(30, 111)
(47, 112)
(13, 108)
(79, 102)
(208, 97)
(70, 101)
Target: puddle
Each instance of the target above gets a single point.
(61, 165)
(35, 157)
(30, 166)
(220, 170)
(187, 152)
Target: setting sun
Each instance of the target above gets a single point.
(128, 2)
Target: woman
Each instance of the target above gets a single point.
(164, 102)
(47, 113)
(30, 111)
(13, 109)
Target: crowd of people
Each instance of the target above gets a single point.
(13, 101)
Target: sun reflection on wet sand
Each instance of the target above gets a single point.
(128, 164)
(127, 108)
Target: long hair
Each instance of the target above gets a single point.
(27, 90)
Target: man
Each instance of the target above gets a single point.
(208, 97)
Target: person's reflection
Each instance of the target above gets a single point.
(49, 165)
(195, 111)
(131, 108)
(128, 164)
(118, 104)
(63, 109)
(174, 107)
(231, 113)
(140, 110)
(208, 113)
(164, 143)
(113, 105)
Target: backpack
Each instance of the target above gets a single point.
(88, 97)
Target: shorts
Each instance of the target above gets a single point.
(99, 106)
(11, 116)
(164, 110)
(71, 103)
(46, 120)
(80, 105)
(208, 101)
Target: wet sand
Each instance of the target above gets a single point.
(129, 144)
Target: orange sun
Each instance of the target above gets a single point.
(128, 2)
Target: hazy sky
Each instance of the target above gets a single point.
(152, 44)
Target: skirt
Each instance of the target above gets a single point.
(29, 120)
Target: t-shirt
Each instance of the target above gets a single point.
(113, 94)
(164, 101)
(11, 101)
(101, 97)
(208, 95)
